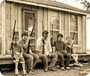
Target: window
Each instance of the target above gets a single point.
(30, 22)
(54, 28)
(74, 28)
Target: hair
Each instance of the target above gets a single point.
(25, 33)
(59, 35)
(16, 37)
(44, 32)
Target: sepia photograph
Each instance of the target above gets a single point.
(44, 37)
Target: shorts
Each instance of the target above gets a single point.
(19, 58)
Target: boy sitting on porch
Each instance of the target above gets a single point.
(17, 53)
(69, 48)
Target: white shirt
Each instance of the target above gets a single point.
(47, 46)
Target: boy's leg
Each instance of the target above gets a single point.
(16, 66)
(23, 65)
(75, 57)
(68, 56)
(36, 58)
(45, 61)
(29, 61)
(61, 59)
(53, 61)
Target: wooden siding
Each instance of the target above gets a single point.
(0, 29)
(13, 11)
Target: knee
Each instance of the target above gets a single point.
(69, 56)
(61, 56)
(30, 58)
(54, 55)
(36, 57)
(44, 56)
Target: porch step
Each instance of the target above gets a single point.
(6, 59)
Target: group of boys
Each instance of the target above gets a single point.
(43, 51)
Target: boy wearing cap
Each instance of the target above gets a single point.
(44, 51)
(29, 56)
(60, 49)
(17, 54)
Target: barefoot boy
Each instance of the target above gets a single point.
(18, 54)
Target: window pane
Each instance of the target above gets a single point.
(29, 22)
(73, 26)
(75, 37)
(73, 17)
(55, 33)
(54, 23)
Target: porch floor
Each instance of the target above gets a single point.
(7, 59)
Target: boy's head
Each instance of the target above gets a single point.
(16, 37)
(25, 35)
(45, 33)
(68, 39)
(59, 37)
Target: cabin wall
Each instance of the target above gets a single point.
(45, 19)
(0, 28)
(12, 13)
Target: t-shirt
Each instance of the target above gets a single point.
(59, 46)
(17, 48)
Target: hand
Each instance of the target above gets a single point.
(20, 55)
(72, 41)
(49, 54)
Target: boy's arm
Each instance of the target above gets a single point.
(21, 50)
(30, 51)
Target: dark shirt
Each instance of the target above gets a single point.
(24, 45)
(69, 49)
(59, 46)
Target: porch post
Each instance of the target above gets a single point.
(3, 28)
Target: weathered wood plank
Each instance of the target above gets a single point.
(63, 24)
(84, 33)
(8, 27)
(40, 22)
(19, 17)
(66, 26)
(45, 18)
(79, 34)
(3, 27)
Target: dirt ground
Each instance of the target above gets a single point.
(74, 71)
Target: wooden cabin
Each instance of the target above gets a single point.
(43, 15)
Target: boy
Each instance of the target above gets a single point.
(31, 57)
(17, 53)
(69, 48)
(60, 49)
(44, 51)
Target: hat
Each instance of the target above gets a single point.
(25, 33)
(59, 35)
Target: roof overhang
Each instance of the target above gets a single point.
(46, 6)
